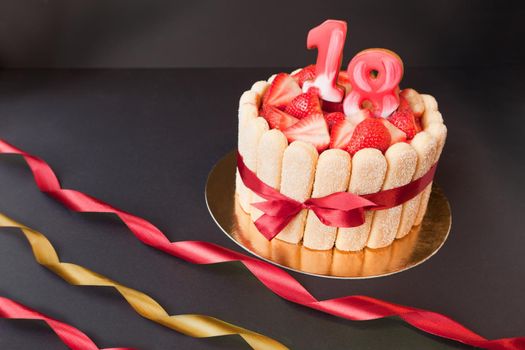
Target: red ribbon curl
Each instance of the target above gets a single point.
(340, 209)
(71, 336)
(354, 307)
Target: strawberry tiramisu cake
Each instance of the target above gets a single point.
(305, 141)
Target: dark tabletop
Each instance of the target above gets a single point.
(145, 140)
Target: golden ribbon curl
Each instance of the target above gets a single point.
(197, 326)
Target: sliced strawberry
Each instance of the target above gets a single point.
(403, 118)
(333, 118)
(278, 119)
(370, 133)
(396, 134)
(307, 73)
(282, 91)
(341, 134)
(358, 117)
(304, 105)
(312, 129)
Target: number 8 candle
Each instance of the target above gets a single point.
(374, 75)
(329, 39)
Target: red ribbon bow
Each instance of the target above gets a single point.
(339, 209)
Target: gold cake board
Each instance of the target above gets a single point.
(419, 245)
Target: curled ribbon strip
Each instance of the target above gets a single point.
(354, 307)
(71, 336)
(340, 209)
(197, 326)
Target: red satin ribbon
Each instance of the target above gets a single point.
(340, 209)
(71, 336)
(354, 307)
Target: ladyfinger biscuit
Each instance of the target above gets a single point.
(269, 163)
(297, 178)
(285, 253)
(377, 261)
(404, 247)
(401, 164)
(430, 102)
(439, 133)
(430, 117)
(346, 264)
(247, 113)
(271, 78)
(241, 190)
(426, 147)
(332, 175)
(431, 114)
(415, 101)
(260, 87)
(314, 261)
(368, 173)
(250, 97)
(431, 106)
(249, 236)
(248, 143)
(296, 71)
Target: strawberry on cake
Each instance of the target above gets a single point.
(304, 143)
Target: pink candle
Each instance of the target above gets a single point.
(329, 39)
(375, 75)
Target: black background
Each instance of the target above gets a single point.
(265, 33)
(145, 140)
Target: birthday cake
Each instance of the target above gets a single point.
(320, 131)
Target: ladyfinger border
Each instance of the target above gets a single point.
(432, 124)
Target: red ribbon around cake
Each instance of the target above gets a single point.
(340, 209)
(352, 307)
(71, 336)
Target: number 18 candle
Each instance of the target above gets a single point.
(374, 75)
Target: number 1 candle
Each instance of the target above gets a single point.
(329, 39)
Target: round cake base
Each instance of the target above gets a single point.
(418, 246)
